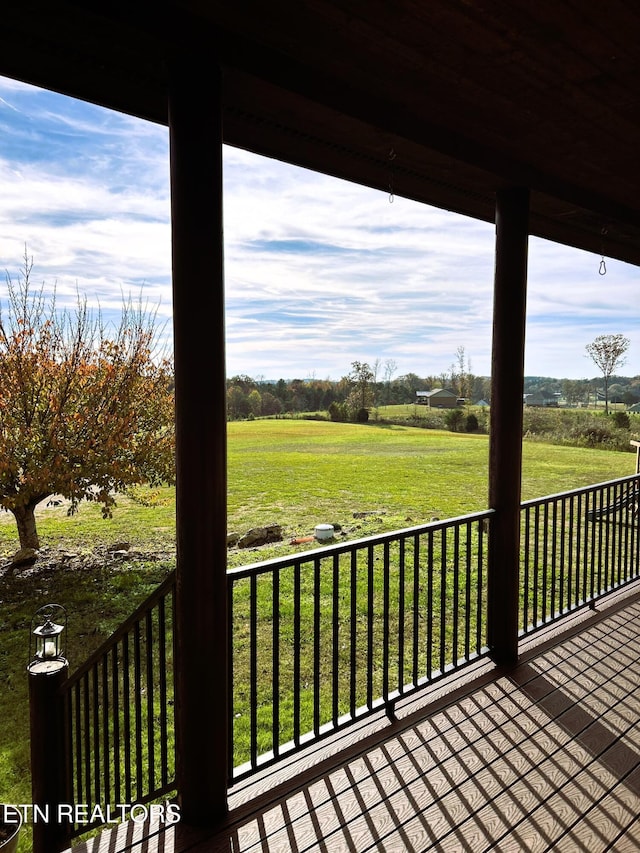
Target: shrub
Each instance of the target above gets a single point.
(362, 415)
(539, 421)
(454, 419)
(433, 419)
(622, 420)
(576, 427)
(338, 411)
(595, 435)
(471, 423)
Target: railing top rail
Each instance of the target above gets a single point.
(167, 584)
(353, 544)
(580, 491)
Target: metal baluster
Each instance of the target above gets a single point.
(275, 662)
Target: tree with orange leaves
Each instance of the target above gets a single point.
(84, 413)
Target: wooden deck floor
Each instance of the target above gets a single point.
(544, 757)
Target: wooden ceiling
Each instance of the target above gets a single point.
(445, 100)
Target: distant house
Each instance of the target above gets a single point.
(635, 409)
(439, 398)
(541, 400)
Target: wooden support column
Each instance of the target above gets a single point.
(505, 445)
(195, 131)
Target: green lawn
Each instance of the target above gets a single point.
(295, 473)
(300, 473)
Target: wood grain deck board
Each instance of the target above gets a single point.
(543, 758)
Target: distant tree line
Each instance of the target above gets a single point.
(363, 389)
(248, 397)
(589, 393)
(367, 386)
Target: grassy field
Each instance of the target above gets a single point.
(299, 473)
(295, 473)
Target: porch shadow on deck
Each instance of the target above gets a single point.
(545, 756)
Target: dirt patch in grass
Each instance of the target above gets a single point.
(97, 558)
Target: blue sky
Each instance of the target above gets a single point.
(319, 272)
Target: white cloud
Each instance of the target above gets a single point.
(319, 272)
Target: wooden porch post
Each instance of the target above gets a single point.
(195, 132)
(48, 757)
(505, 445)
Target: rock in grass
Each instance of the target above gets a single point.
(261, 536)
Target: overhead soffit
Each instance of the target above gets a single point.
(448, 99)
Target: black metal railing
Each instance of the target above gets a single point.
(322, 638)
(575, 547)
(119, 708)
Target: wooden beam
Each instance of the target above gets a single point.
(201, 490)
(505, 444)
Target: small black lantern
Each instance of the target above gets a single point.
(48, 625)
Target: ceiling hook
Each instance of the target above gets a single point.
(392, 157)
(603, 267)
